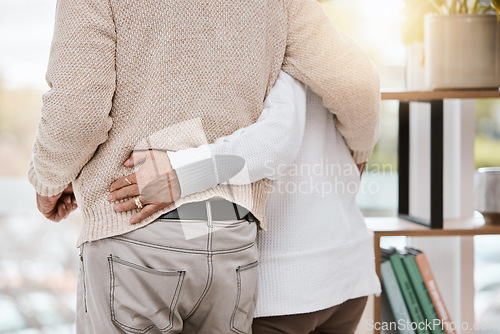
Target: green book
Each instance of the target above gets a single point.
(422, 295)
(396, 302)
(419, 321)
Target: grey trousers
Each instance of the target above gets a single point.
(172, 276)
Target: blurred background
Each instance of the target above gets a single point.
(38, 258)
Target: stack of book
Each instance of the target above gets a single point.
(411, 301)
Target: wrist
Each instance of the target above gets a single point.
(195, 169)
(361, 167)
(361, 156)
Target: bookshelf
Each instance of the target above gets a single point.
(436, 101)
(395, 226)
(436, 226)
(440, 95)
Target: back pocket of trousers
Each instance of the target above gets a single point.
(142, 298)
(246, 276)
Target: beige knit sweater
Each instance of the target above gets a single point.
(177, 74)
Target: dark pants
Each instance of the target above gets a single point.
(340, 319)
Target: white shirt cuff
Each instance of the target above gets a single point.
(195, 169)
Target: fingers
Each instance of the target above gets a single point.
(122, 182)
(125, 192)
(54, 217)
(74, 203)
(125, 206)
(71, 204)
(68, 203)
(361, 168)
(146, 212)
(136, 158)
(47, 205)
(57, 213)
(62, 211)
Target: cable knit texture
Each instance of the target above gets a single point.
(186, 72)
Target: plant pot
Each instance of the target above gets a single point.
(487, 193)
(462, 51)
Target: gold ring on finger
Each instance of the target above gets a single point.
(138, 202)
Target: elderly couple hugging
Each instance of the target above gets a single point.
(179, 127)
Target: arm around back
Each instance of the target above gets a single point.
(338, 70)
(252, 153)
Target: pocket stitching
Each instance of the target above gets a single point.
(238, 296)
(84, 284)
(145, 269)
(173, 304)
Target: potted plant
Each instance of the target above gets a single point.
(462, 41)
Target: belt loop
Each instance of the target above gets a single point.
(209, 212)
(236, 211)
(81, 251)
